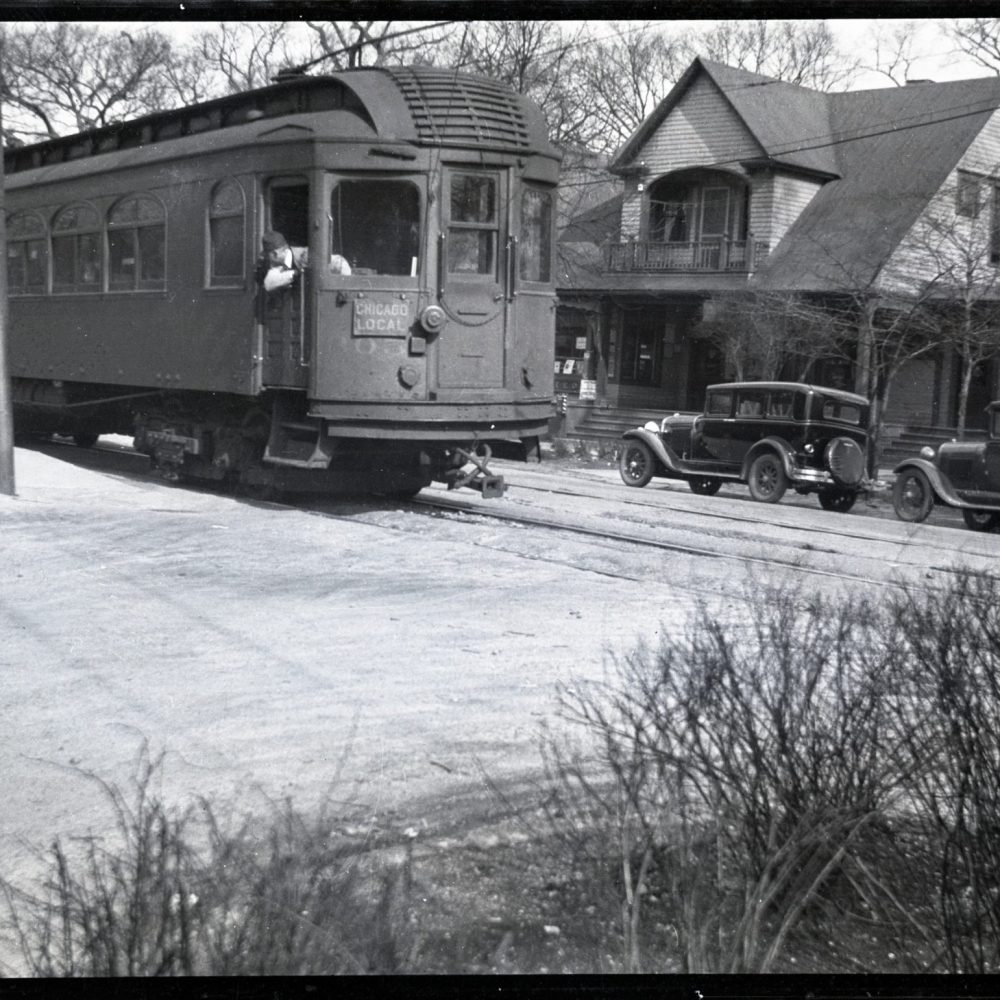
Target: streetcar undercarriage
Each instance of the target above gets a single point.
(258, 445)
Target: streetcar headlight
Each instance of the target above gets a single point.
(433, 319)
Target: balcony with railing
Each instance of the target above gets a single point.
(717, 254)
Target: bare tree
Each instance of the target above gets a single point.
(764, 334)
(351, 44)
(979, 38)
(620, 79)
(243, 55)
(894, 51)
(66, 77)
(802, 52)
(955, 235)
(536, 58)
(881, 319)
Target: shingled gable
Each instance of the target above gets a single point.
(896, 148)
(782, 117)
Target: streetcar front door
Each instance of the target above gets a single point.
(472, 278)
(282, 313)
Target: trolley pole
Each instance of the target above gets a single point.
(6, 399)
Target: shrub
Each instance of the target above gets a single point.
(179, 893)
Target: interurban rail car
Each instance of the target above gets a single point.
(416, 338)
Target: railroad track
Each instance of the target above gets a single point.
(458, 505)
(757, 519)
(432, 500)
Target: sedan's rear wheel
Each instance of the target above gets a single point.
(837, 500)
(636, 463)
(85, 439)
(767, 481)
(980, 520)
(705, 487)
(912, 496)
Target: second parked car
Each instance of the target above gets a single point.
(769, 435)
(963, 474)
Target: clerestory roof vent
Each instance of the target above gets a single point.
(454, 108)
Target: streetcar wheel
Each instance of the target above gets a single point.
(912, 496)
(705, 487)
(767, 481)
(85, 439)
(980, 520)
(636, 464)
(840, 501)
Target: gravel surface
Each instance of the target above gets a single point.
(400, 662)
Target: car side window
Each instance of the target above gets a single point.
(751, 404)
(719, 404)
(780, 403)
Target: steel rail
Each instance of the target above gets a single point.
(459, 506)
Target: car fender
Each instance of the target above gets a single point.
(664, 454)
(940, 483)
(774, 444)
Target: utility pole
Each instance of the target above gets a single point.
(6, 400)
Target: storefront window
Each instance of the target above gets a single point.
(639, 349)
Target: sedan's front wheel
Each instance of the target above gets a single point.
(636, 463)
(912, 496)
(767, 481)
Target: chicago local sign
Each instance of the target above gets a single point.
(381, 319)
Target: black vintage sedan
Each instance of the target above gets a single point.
(963, 474)
(769, 435)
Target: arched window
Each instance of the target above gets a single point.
(137, 244)
(27, 254)
(76, 250)
(226, 258)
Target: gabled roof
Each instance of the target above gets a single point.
(784, 118)
(896, 148)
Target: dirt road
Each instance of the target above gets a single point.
(368, 649)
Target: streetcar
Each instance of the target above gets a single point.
(415, 342)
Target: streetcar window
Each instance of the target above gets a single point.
(136, 245)
(27, 254)
(76, 250)
(472, 233)
(535, 244)
(375, 225)
(225, 235)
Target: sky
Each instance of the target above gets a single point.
(941, 62)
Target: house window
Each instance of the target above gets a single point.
(76, 250)
(967, 195)
(640, 347)
(535, 244)
(137, 239)
(226, 236)
(27, 254)
(375, 225)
